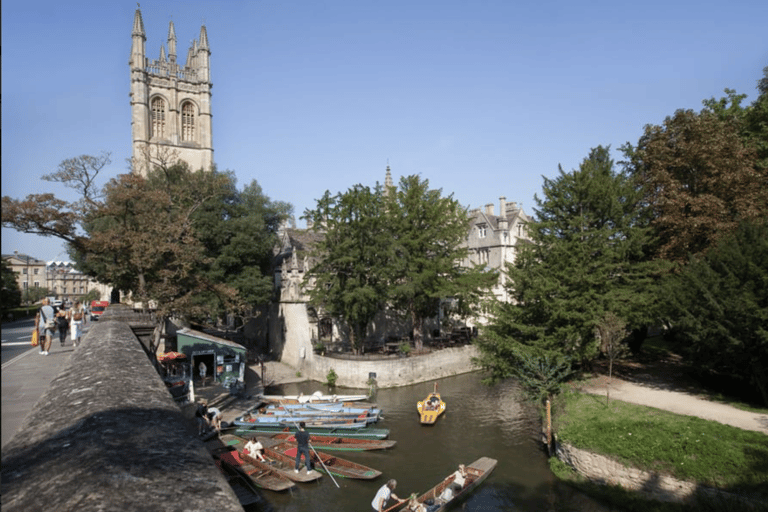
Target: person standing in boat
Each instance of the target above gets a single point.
(302, 440)
(382, 496)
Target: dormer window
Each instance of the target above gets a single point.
(482, 230)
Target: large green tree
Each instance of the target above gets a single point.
(719, 306)
(399, 248)
(587, 258)
(429, 232)
(350, 273)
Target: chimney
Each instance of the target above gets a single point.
(489, 209)
(503, 206)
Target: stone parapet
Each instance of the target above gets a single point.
(107, 435)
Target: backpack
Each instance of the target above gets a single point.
(50, 323)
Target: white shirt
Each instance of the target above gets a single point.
(253, 448)
(459, 478)
(381, 497)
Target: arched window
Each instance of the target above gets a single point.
(158, 118)
(188, 122)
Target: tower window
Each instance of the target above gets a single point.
(158, 118)
(188, 122)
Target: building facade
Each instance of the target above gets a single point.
(30, 272)
(170, 103)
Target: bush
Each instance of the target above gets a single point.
(331, 377)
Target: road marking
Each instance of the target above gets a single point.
(15, 343)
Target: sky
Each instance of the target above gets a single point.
(482, 99)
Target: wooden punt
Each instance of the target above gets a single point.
(361, 433)
(331, 464)
(476, 473)
(247, 493)
(238, 443)
(430, 408)
(315, 397)
(265, 478)
(347, 444)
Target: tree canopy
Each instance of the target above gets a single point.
(397, 247)
(586, 259)
(10, 294)
(191, 242)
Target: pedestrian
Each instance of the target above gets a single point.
(45, 324)
(62, 323)
(202, 417)
(203, 371)
(382, 496)
(76, 322)
(302, 440)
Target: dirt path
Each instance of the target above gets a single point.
(679, 402)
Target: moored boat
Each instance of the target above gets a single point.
(477, 472)
(247, 493)
(347, 444)
(330, 463)
(358, 433)
(430, 408)
(266, 478)
(317, 396)
(238, 444)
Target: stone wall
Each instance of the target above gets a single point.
(393, 371)
(108, 436)
(656, 486)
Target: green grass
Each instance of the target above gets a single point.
(685, 447)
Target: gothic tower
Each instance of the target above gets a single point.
(170, 103)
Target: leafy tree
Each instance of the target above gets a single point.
(34, 294)
(701, 174)
(719, 306)
(428, 235)
(10, 294)
(587, 259)
(353, 257)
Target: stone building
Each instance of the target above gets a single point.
(170, 102)
(493, 240)
(30, 272)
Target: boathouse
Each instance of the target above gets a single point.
(225, 360)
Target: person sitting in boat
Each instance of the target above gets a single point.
(254, 448)
(434, 403)
(460, 476)
(414, 505)
(447, 495)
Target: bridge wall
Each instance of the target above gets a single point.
(108, 436)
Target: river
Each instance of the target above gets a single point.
(479, 421)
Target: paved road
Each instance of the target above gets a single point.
(26, 374)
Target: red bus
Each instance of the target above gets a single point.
(97, 308)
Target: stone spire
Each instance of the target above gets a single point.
(203, 39)
(171, 42)
(139, 39)
(388, 179)
(162, 53)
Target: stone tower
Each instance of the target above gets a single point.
(170, 103)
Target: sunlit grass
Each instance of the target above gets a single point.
(685, 447)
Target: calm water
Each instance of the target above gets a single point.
(479, 421)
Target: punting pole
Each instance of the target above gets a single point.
(313, 449)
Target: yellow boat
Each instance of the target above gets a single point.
(431, 407)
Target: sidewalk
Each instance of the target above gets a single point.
(25, 379)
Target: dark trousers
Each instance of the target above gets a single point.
(303, 450)
(63, 332)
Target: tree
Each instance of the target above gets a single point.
(190, 241)
(34, 294)
(428, 232)
(611, 331)
(719, 306)
(700, 174)
(10, 294)
(587, 258)
(352, 259)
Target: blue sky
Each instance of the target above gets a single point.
(480, 98)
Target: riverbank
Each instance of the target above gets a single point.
(659, 444)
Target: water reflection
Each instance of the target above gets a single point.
(479, 421)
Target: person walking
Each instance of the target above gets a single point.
(203, 372)
(45, 324)
(302, 440)
(383, 495)
(62, 323)
(76, 322)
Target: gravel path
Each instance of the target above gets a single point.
(680, 403)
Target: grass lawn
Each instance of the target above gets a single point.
(685, 447)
